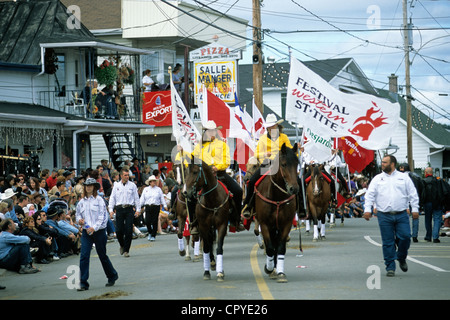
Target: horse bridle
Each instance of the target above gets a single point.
(202, 194)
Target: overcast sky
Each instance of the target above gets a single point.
(369, 32)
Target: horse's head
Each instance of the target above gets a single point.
(288, 165)
(194, 179)
(317, 179)
(252, 166)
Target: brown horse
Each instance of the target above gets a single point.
(212, 212)
(318, 199)
(275, 206)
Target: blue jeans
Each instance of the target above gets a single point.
(395, 235)
(99, 238)
(434, 215)
(18, 256)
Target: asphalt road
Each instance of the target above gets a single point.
(348, 265)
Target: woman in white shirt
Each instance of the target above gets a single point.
(92, 215)
(152, 199)
(147, 81)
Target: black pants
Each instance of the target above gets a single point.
(124, 227)
(151, 218)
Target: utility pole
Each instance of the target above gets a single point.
(257, 56)
(408, 88)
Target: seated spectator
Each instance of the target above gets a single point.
(15, 250)
(48, 231)
(36, 240)
(65, 238)
(3, 210)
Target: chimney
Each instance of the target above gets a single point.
(393, 87)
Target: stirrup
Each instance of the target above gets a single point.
(246, 212)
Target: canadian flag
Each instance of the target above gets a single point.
(233, 126)
(259, 125)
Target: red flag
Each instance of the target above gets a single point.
(355, 156)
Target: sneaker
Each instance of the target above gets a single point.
(27, 270)
(436, 241)
(390, 273)
(403, 265)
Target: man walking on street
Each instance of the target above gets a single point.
(433, 204)
(124, 200)
(391, 193)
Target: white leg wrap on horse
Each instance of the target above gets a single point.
(260, 239)
(269, 263)
(219, 263)
(332, 218)
(307, 225)
(181, 244)
(280, 264)
(206, 262)
(322, 230)
(316, 232)
(197, 248)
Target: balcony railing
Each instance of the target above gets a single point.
(70, 102)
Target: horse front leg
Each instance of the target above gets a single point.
(221, 233)
(181, 227)
(322, 228)
(270, 250)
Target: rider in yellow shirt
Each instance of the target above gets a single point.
(215, 152)
(268, 147)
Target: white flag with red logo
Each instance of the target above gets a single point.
(183, 128)
(313, 102)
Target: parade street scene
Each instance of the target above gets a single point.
(224, 158)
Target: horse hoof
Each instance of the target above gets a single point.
(207, 275)
(188, 258)
(261, 246)
(323, 238)
(220, 277)
(281, 278)
(267, 271)
(315, 240)
(213, 265)
(196, 259)
(273, 275)
(307, 233)
(332, 225)
(182, 253)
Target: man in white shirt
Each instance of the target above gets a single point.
(147, 81)
(391, 193)
(152, 198)
(124, 197)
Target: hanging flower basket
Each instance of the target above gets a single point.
(126, 74)
(106, 74)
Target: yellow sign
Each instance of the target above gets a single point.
(219, 77)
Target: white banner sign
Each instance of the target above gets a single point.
(314, 103)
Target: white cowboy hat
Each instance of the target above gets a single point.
(362, 191)
(271, 120)
(8, 194)
(210, 125)
(151, 178)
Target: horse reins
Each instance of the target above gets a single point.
(276, 203)
(210, 190)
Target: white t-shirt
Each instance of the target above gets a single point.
(149, 80)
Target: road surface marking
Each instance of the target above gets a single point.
(368, 238)
(262, 286)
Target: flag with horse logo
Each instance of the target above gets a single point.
(313, 102)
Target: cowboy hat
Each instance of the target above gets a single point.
(361, 192)
(92, 181)
(151, 178)
(64, 193)
(271, 120)
(8, 194)
(211, 125)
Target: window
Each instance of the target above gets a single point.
(60, 76)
